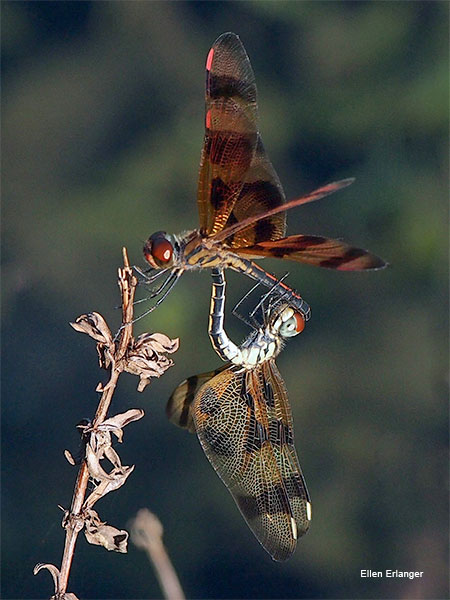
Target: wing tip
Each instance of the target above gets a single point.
(227, 36)
(371, 262)
(342, 183)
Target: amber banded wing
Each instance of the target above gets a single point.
(236, 177)
(281, 435)
(233, 428)
(319, 251)
(178, 409)
(231, 131)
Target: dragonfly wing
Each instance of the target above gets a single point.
(232, 229)
(319, 251)
(178, 409)
(231, 423)
(261, 192)
(230, 131)
(282, 438)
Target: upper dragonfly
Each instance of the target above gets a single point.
(241, 204)
(243, 420)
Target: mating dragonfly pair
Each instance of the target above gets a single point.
(241, 412)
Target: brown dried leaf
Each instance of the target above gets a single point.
(94, 325)
(54, 571)
(113, 457)
(145, 374)
(104, 356)
(149, 367)
(145, 357)
(99, 533)
(116, 423)
(56, 575)
(69, 457)
(100, 446)
(143, 383)
(99, 441)
(113, 480)
(96, 472)
(157, 342)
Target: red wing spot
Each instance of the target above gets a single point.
(209, 59)
(300, 322)
(208, 120)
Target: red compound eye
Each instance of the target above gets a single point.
(162, 250)
(158, 250)
(300, 322)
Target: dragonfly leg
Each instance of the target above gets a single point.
(270, 293)
(251, 269)
(170, 283)
(159, 290)
(253, 323)
(173, 278)
(150, 278)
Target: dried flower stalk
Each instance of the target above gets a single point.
(146, 533)
(145, 357)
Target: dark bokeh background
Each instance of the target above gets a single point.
(102, 130)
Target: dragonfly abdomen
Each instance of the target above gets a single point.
(260, 347)
(222, 344)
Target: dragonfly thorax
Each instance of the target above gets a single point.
(266, 342)
(262, 345)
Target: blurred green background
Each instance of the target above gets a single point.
(102, 131)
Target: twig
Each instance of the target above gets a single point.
(127, 284)
(143, 356)
(146, 533)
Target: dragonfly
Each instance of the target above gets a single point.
(241, 203)
(242, 417)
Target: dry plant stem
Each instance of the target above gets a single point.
(165, 573)
(146, 533)
(127, 284)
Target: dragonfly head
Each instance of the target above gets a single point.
(288, 322)
(160, 250)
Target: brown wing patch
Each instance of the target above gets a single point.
(261, 192)
(319, 251)
(178, 409)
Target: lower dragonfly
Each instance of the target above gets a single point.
(243, 420)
